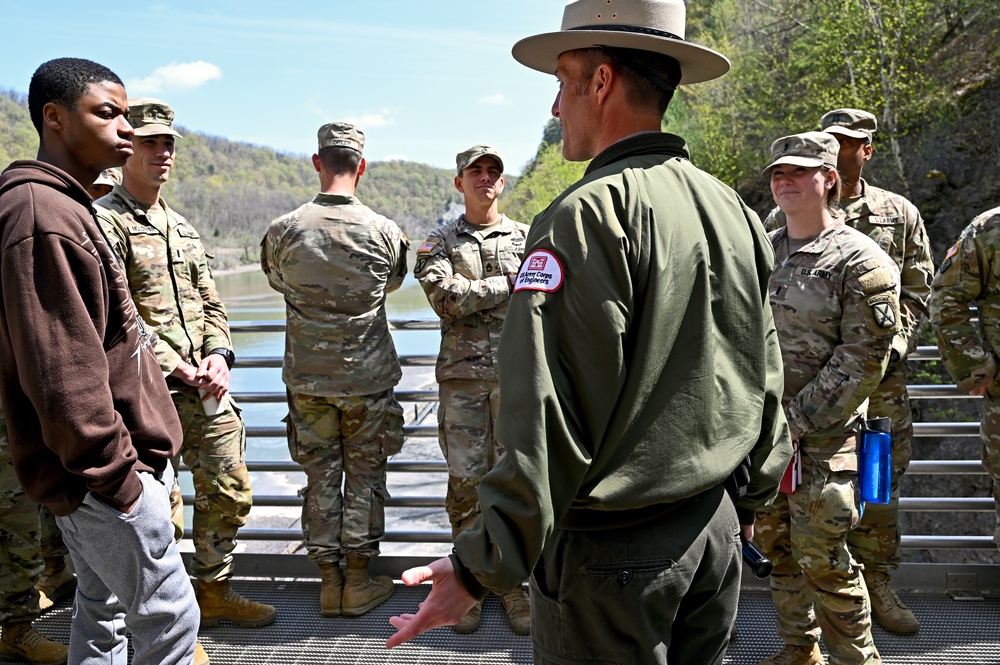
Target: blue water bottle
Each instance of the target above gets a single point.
(875, 470)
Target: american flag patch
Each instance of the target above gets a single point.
(952, 251)
(426, 246)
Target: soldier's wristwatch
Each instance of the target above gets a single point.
(225, 353)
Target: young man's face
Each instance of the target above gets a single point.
(96, 131)
(481, 180)
(853, 154)
(153, 159)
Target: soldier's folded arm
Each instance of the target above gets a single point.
(452, 295)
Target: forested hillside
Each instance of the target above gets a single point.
(230, 191)
(928, 70)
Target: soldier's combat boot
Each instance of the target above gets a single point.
(57, 582)
(332, 591)
(887, 609)
(795, 655)
(21, 642)
(470, 622)
(515, 605)
(363, 593)
(200, 657)
(219, 601)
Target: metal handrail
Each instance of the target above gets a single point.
(912, 504)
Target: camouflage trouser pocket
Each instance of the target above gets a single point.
(394, 437)
(376, 514)
(833, 500)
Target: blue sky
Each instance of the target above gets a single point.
(425, 80)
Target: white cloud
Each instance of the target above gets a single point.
(395, 158)
(368, 120)
(175, 77)
(494, 100)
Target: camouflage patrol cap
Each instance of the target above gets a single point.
(341, 135)
(464, 160)
(151, 117)
(849, 122)
(810, 149)
(109, 177)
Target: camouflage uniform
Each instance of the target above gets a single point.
(464, 271)
(896, 225)
(335, 260)
(20, 559)
(968, 275)
(171, 284)
(836, 310)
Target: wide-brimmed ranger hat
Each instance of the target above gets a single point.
(646, 25)
(810, 149)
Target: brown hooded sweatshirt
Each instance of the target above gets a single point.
(84, 399)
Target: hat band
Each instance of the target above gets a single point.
(638, 29)
(644, 73)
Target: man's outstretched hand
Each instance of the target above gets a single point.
(445, 605)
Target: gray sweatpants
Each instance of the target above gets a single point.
(130, 576)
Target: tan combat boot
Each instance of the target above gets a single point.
(887, 609)
(515, 605)
(200, 657)
(332, 591)
(21, 642)
(362, 593)
(470, 622)
(795, 655)
(219, 601)
(57, 582)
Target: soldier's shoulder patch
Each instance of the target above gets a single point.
(952, 251)
(427, 246)
(877, 279)
(883, 311)
(540, 271)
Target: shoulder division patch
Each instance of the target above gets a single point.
(884, 311)
(541, 271)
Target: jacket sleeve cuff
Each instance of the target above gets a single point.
(983, 373)
(466, 578)
(126, 494)
(746, 516)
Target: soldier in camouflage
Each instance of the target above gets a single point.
(968, 277)
(895, 224)
(834, 294)
(466, 268)
(21, 566)
(335, 260)
(171, 284)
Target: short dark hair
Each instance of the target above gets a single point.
(339, 160)
(63, 81)
(635, 67)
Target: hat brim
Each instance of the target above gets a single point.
(698, 63)
(495, 157)
(794, 160)
(846, 131)
(156, 130)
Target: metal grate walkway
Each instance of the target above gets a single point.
(952, 632)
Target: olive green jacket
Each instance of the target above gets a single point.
(639, 362)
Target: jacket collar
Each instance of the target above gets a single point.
(644, 143)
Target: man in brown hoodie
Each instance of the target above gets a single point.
(88, 416)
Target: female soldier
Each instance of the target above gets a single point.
(834, 294)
